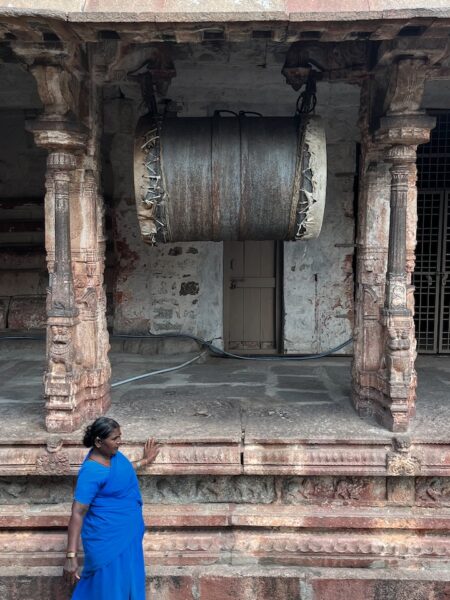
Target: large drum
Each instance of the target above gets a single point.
(230, 178)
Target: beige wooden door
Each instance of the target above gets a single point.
(251, 296)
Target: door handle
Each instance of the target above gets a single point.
(233, 283)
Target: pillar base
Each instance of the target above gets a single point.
(68, 413)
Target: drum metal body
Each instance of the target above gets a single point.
(230, 178)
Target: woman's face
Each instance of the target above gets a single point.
(110, 445)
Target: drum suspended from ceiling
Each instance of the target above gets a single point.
(230, 178)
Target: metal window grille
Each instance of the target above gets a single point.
(431, 277)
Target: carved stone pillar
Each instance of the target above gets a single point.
(371, 254)
(76, 380)
(397, 376)
(384, 379)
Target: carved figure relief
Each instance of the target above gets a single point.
(298, 489)
(433, 490)
(54, 461)
(402, 461)
(61, 353)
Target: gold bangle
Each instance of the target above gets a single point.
(71, 554)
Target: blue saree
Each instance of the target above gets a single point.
(112, 532)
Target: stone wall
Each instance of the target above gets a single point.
(318, 274)
(265, 537)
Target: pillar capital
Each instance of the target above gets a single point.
(59, 135)
(403, 131)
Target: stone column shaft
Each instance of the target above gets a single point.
(397, 221)
(59, 167)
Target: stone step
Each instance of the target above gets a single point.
(240, 546)
(222, 582)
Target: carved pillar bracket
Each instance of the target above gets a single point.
(400, 134)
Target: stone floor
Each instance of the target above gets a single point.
(224, 400)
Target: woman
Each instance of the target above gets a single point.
(107, 510)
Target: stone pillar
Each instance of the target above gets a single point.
(397, 376)
(384, 378)
(76, 380)
(371, 263)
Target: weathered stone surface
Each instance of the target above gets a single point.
(27, 313)
(4, 305)
(171, 588)
(400, 490)
(380, 590)
(263, 588)
(34, 585)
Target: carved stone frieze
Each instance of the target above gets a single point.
(297, 490)
(204, 489)
(298, 546)
(433, 491)
(54, 461)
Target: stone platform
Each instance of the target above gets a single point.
(226, 416)
(267, 486)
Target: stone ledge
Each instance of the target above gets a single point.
(63, 457)
(25, 516)
(214, 11)
(231, 571)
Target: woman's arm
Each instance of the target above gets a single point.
(151, 451)
(70, 569)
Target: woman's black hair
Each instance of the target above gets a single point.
(100, 428)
